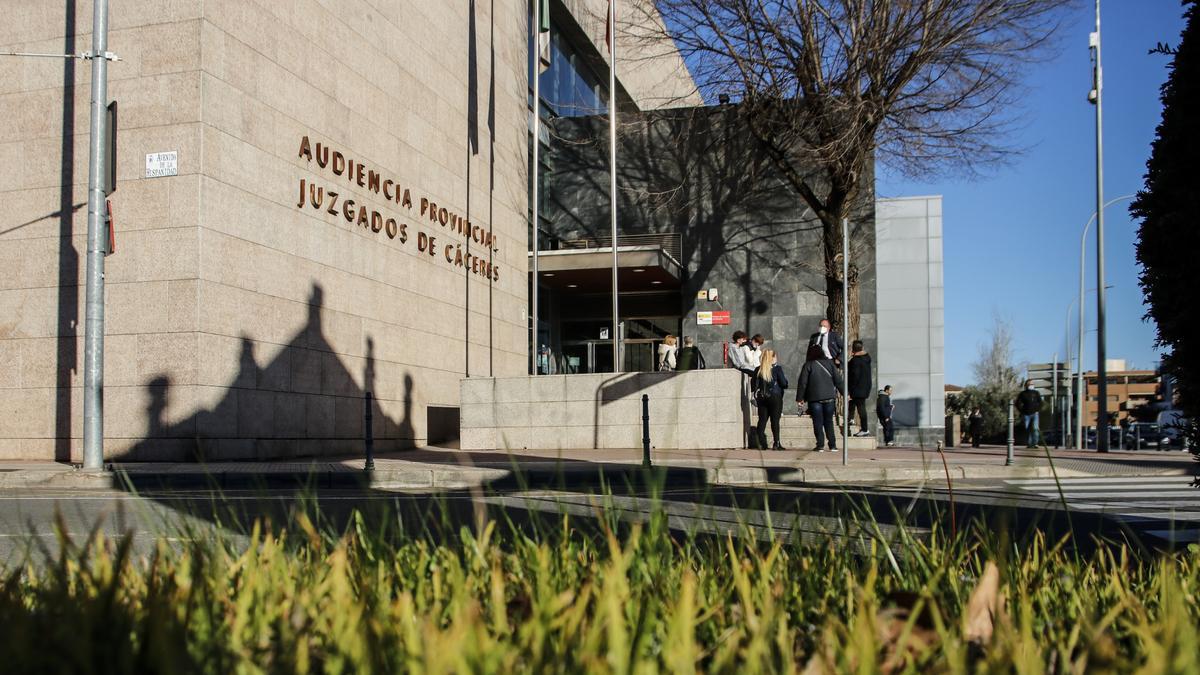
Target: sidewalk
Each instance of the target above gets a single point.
(447, 468)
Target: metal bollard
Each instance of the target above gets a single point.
(369, 437)
(1008, 458)
(646, 431)
(1137, 437)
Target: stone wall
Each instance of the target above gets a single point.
(241, 322)
(699, 409)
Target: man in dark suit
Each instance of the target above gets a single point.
(830, 342)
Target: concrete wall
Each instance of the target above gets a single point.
(908, 235)
(241, 324)
(693, 410)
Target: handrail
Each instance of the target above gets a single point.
(671, 242)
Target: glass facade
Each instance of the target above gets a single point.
(569, 88)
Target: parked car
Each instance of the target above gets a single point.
(1171, 422)
(1146, 436)
(1114, 437)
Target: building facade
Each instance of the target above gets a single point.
(911, 311)
(317, 201)
(1132, 394)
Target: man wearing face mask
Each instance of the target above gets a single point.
(830, 342)
(1029, 404)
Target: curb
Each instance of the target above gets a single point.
(533, 474)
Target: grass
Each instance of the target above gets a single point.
(601, 596)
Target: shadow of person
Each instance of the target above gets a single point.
(157, 393)
(406, 436)
(303, 401)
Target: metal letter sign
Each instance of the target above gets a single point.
(159, 164)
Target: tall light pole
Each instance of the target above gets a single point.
(1069, 397)
(93, 332)
(536, 56)
(1082, 391)
(1097, 98)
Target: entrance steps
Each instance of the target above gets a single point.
(796, 433)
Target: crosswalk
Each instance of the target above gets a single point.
(1172, 500)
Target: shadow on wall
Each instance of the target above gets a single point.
(907, 412)
(700, 173)
(305, 402)
(67, 349)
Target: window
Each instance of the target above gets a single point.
(569, 88)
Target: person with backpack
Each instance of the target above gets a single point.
(666, 354)
(769, 384)
(818, 386)
(690, 357)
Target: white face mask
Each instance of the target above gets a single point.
(824, 329)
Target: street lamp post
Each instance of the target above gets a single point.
(1097, 99)
(93, 340)
(1068, 397)
(1082, 388)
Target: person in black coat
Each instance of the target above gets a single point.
(976, 427)
(883, 410)
(818, 386)
(1029, 404)
(858, 383)
(829, 342)
(769, 383)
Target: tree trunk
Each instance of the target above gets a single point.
(834, 286)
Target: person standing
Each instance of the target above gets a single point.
(975, 423)
(754, 356)
(739, 353)
(818, 386)
(666, 354)
(769, 384)
(1029, 404)
(690, 357)
(883, 410)
(858, 384)
(830, 343)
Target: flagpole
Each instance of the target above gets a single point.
(536, 54)
(612, 161)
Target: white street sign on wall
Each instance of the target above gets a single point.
(159, 164)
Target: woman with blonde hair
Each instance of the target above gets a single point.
(666, 353)
(768, 386)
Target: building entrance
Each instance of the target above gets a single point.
(595, 356)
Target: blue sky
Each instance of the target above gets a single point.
(1012, 236)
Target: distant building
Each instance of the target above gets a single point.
(1128, 391)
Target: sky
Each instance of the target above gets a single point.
(1011, 237)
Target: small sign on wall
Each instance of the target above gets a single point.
(160, 164)
(712, 318)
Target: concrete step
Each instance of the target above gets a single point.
(800, 442)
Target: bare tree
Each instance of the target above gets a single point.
(995, 369)
(826, 85)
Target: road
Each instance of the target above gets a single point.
(1160, 511)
